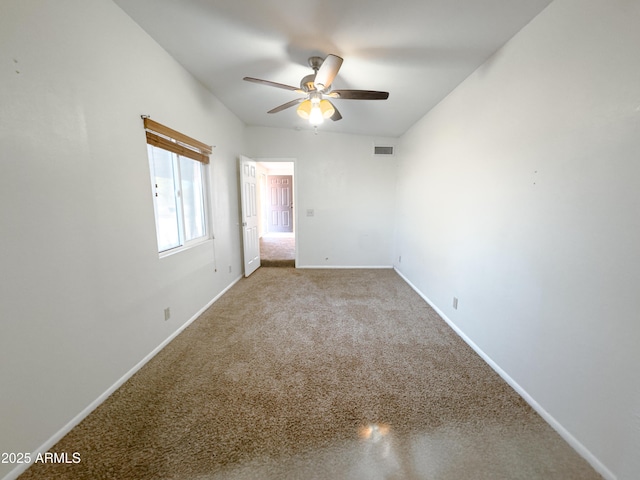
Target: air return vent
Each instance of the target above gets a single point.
(382, 150)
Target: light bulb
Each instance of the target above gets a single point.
(315, 117)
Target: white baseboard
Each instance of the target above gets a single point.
(555, 424)
(344, 267)
(20, 469)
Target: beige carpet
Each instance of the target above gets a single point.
(325, 374)
(277, 251)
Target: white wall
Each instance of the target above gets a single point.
(350, 191)
(82, 288)
(519, 194)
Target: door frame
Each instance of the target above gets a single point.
(293, 162)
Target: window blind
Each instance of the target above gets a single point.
(169, 139)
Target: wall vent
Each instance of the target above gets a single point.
(381, 150)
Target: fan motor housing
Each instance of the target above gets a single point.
(307, 83)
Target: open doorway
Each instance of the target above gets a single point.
(276, 203)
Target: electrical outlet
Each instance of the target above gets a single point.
(310, 212)
(229, 268)
(167, 314)
(400, 259)
(455, 303)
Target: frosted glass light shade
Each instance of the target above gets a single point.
(304, 109)
(327, 108)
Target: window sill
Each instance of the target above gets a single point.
(174, 251)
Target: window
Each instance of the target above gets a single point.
(179, 185)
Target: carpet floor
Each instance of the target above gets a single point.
(278, 251)
(316, 374)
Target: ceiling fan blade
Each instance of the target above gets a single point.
(327, 72)
(273, 84)
(359, 94)
(284, 106)
(336, 114)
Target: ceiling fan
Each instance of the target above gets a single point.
(315, 87)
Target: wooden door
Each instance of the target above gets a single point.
(280, 197)
(249, 201)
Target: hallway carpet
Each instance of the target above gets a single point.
(277, 251)
(316, 374)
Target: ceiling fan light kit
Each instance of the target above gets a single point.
(315, 110)
(314, 107)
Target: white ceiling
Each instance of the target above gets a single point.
(418, 50)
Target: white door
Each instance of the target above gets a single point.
(280, 204)
(249, 198)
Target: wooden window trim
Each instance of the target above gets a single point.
(168, 139)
